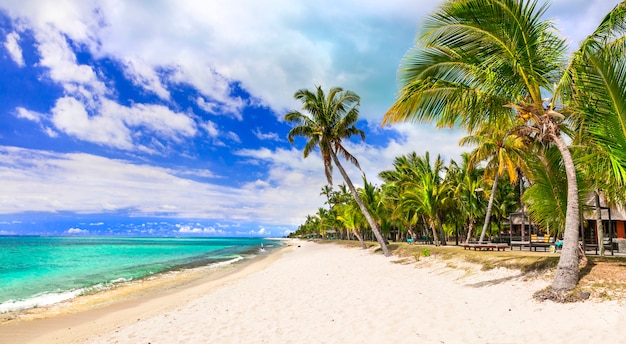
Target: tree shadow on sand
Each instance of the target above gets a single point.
(497, 281)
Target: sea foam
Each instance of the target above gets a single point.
(40, 300)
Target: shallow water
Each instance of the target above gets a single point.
(37, 271)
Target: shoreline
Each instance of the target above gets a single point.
(312, 292)
(74, 319)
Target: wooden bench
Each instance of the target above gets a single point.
(608, 246)
(519, 243)
(486, 247)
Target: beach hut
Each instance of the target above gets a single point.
(613, 223)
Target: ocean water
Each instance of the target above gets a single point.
(37, 271)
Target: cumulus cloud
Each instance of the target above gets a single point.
(77, 231)
(13, 47)
(270, 49)
(198, 229)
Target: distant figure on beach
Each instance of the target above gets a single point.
(262, 249)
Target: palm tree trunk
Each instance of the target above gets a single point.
(566, 276)
(488, 215)
(470, 229)
(440, 228)
(358, 236)
(358, 200)
(433, 226)
(599, 228)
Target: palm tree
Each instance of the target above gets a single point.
(426, 193)
(348, 215)
(478, 60)
(467, 188)
(395, 183)
(596, 87)
(327, 190)
(503, 152)
(547, 204)
(327, 122)
(371, 197)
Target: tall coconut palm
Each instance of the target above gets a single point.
(326, 122)
(502, 151)
(595, 86)
(474, 58)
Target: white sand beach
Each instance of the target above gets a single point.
(320, 293)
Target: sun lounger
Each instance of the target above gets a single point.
(543, 241)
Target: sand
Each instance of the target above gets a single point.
(321, 293)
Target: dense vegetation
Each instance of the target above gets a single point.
(547, 130)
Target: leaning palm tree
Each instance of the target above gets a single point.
(327, 121)
(478, 60)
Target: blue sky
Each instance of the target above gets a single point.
(165, 117)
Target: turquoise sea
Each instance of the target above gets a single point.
(37, 271)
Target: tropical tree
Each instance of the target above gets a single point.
(426, 193)
(327, 190)
(502, 151)
(349, 215)
(395, 183)
(328, 120)
(467, 190)
(596, 89)
(547, 204)
(478, 60)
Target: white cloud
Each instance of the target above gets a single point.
(210, 128)
(146, 77)
(231, 135)
(232, 108)
(70, 116)
(77, 231)
(270, 48)
(266, 136)
(198, 229)
(43, 181)
(51, 182)
(58, 56)
(115, 125)
(34, 116)
(13, 47)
